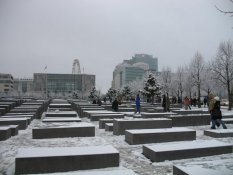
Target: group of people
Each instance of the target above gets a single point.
(115, 104)
(214, 108)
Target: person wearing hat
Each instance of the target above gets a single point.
(215, 112)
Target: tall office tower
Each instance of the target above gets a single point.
(133, 69)
(76, 67)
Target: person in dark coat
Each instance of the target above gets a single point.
(137, 101)
(115, 105)
(215, 112)
(164, 103)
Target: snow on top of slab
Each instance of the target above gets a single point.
(61, 119)
(62, 112)
(64, 151)
(79, 124)
(60, 104)
(221, 130)
(165, 130)
(98, 111)
(4, 128)
(159, 113)
(187, 145)
(12, 119)
(98, 172)
(141, 119)
(199, 170)
(106, 114)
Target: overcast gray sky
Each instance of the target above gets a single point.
(102, 33)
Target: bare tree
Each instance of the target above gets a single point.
(224, 11)
(222, 67)
(196, 72)
(166, 79)
(180, 81)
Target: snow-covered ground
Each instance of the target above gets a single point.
(131, 156)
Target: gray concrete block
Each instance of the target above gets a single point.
(199, 169)
(108, 126)
(190, 120)
(228, 120)
(22, 122)
(78, 130)
(157, 115)
(62, 159)
(96, 117)
(120, 125)
(188, 112)
(219, 133)
(110, 171)
(59, 105)
(61, 119)
(61, 114)
(103, 121)
(5, 133)
(143, 136)
(184, 150)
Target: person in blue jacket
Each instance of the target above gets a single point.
(137, 101)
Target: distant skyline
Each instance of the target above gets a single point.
(35, 34)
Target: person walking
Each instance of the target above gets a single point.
(186, 103)
(115, 105)
(138, 105)
(215, 112)
(164, 103)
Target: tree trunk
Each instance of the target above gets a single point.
(229, 95)
(199, 96)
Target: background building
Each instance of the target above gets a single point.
(23, 86)
(63, 84)
(6, 83)
(133, 69)
(145, 58)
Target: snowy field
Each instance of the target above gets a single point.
(131, 156)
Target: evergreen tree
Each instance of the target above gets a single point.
(126, 92)
(152, 87)
(93, 94)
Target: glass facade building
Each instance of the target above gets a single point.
(133, 69)
(63, 83)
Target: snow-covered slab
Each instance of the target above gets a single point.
(190, 120)
(199, 170)
(103, 121)
(78, 130)
(219, 133)
(88, 113)
(120, 125)
(99, 172)
(19, 116)
(62, 159)
(228, 120)
(59, 105)
(122, 109)
(5, 133)
(61, 119)
(142, 136)
(193, 111)
(22, 122)
(184, 150)
(157, 114)
(29, 119)
(61, 114)
(23, 110)
(108, 126)
(96, 117)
